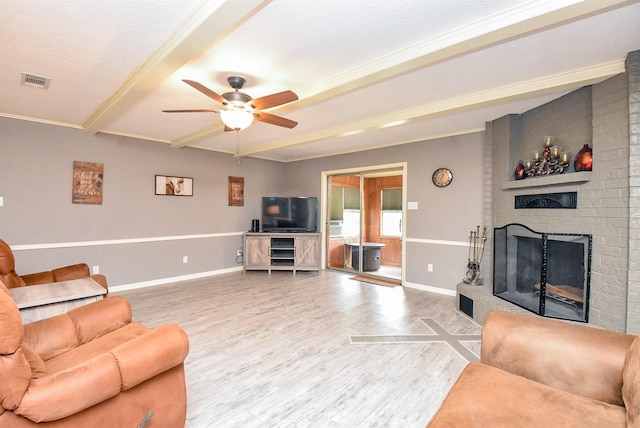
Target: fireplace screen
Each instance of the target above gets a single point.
(546, 273)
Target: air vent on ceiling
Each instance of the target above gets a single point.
(35, 80)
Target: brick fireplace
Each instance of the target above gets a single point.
(606, 116)
(548, 274)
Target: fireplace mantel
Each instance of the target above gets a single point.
(549, 180)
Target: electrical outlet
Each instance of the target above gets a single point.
(185, 259)
(429, 267)
(95, 270)
(238, 253)
(1, 201)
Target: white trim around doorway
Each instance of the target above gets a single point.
(400, 167)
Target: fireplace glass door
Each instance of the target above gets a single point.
(546, 273)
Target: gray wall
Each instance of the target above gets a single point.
(437, 232)
(136, 236)
(36, 181)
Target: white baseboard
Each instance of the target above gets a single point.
(430, 288)
(163, 281)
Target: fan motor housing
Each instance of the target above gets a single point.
(237, 96)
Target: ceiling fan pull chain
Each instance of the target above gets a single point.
(238, 145)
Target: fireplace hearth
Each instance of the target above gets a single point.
(546, 273)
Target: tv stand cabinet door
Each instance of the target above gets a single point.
(256, 252)
(308, 251)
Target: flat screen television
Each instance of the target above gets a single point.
(289, 214)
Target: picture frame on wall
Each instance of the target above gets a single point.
(236, 191)
(88, 179)
(174, 186)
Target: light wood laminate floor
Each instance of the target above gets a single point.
(276, 350)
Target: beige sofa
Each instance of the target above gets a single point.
(539, 372)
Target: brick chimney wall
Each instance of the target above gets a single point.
(607, 117)
(633, 296)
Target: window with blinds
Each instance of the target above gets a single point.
(391, 212)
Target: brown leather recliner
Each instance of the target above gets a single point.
(541, 372)
(90, 367)
(11, 279)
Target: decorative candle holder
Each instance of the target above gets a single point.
(550, 161)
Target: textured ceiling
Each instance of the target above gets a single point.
(430, 68)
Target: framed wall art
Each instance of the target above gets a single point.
(174, 186)
(87, 183)
(236, 191)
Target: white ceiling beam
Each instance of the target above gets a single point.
(209, 23)
(535, 87)
(499, 28)
(510, 24)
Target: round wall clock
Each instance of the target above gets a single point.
(442, 177)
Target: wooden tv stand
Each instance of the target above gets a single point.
(282, 251)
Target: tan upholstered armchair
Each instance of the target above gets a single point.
(11, 279)
(90, 367)
(541, 372)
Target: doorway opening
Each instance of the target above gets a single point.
(364, 221)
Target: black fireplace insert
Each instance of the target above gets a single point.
(546, 273)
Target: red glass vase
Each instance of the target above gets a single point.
(519, 172)
(584, 159)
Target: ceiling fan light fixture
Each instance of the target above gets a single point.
(240, 109)
(237, 116)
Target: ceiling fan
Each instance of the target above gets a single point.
(239, 109)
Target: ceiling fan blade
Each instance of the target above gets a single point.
(274, 100)
(198, 110)
(274, 120)
(208, 92)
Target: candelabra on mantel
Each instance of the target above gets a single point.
(550, 161)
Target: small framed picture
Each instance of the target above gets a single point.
(236, 191)
(88, 178)
(174, 186)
